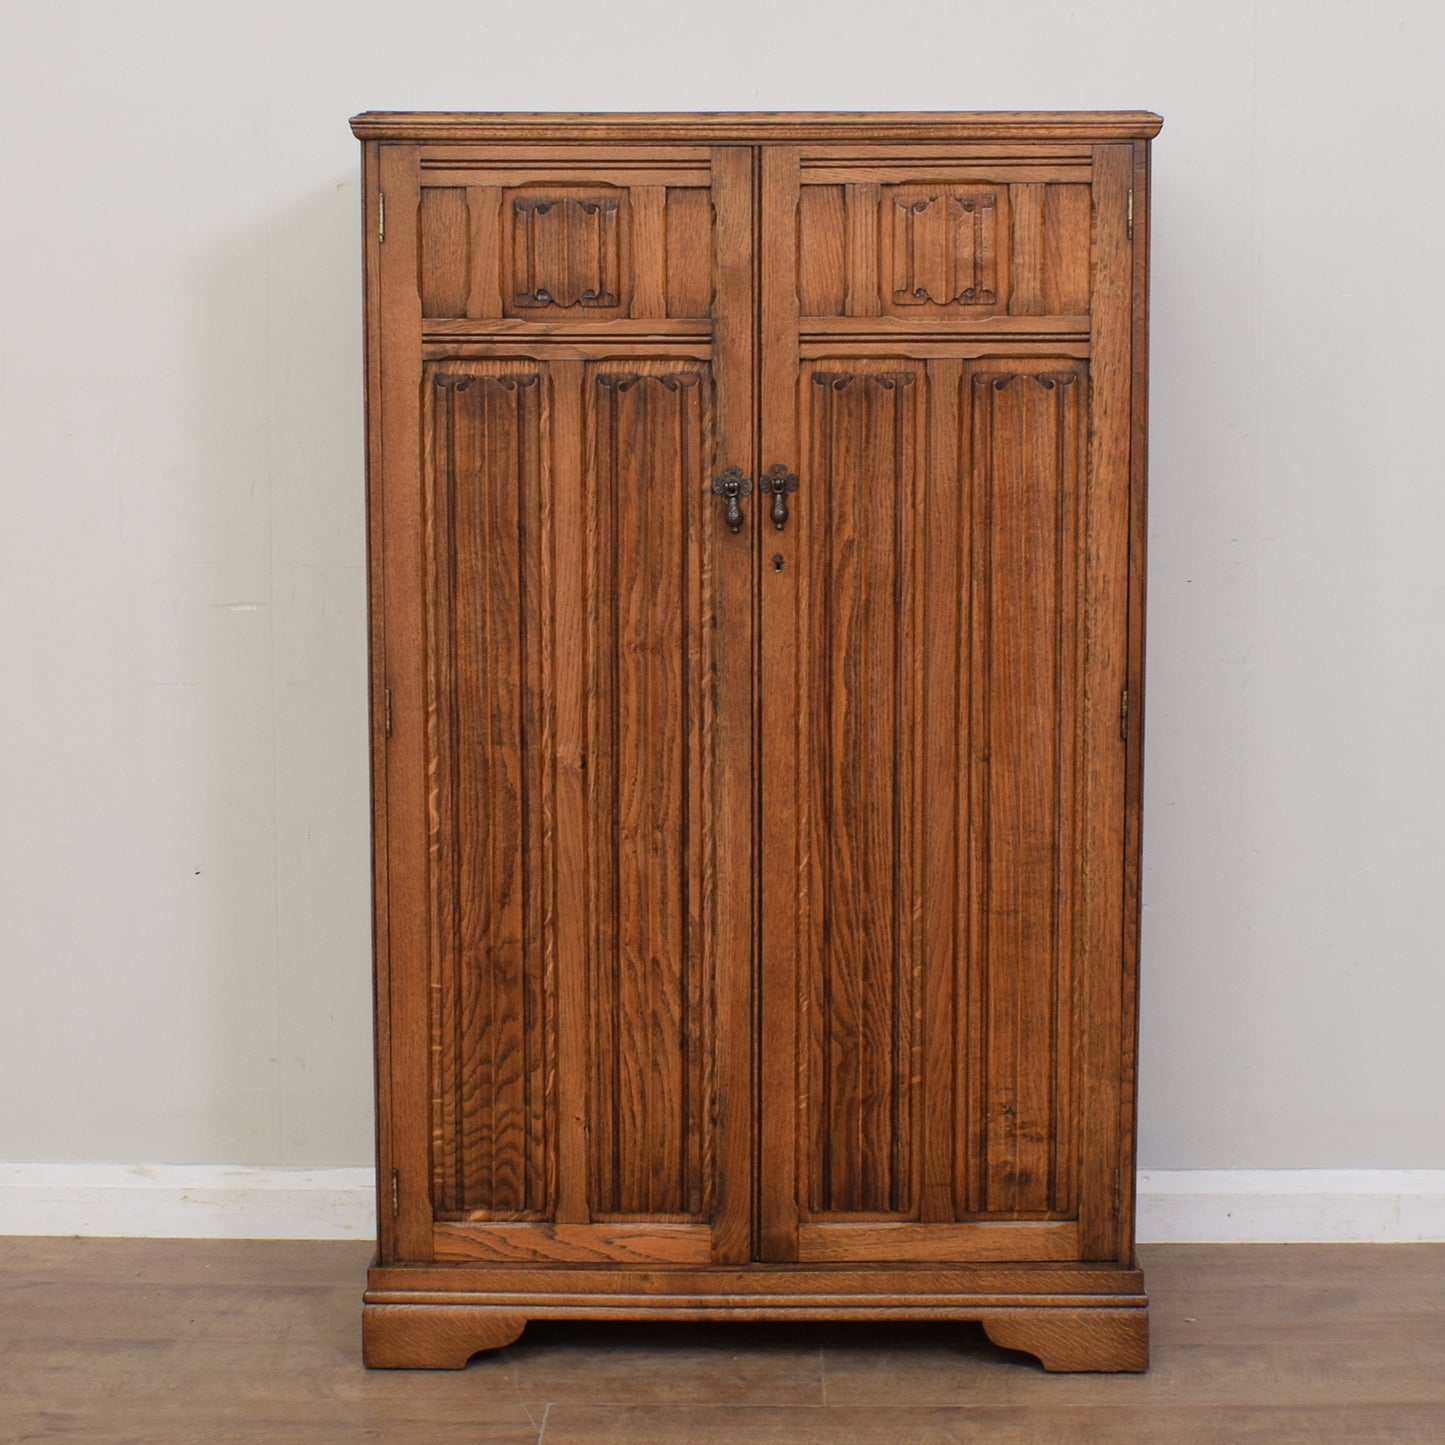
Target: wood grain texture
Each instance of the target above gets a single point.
(689, 274)
(929, 765)
(378, 698)
(996, 1284)
(862, 1291)
(566, 172)
(1024, 436)
(756, 127)
(1106, 1334)
(487, 331)
(1106, 1040)
(503, 252)
(572, 923)
(567, 773)
(938, 1243)
(922, 821)
(821, 251)
(147, 1340)
(1093, 1340)
(566, 245)
(1134, 719)
(404, 1169)
(915, 239)
(855, 787)
(490, 663)
(432, 1337)
(760, 908)
(1004, 1066)
(1118, 1424)
(861, 205)
(648, 205)
(734, 855)
(455, 1241)
(648, 440)
(960, 332)
(947, 245)
(1050, 249)
(459, 241)
(784, 1030)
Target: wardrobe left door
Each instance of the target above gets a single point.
(561, 365)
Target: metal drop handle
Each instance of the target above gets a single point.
(732, 484)
(779, 481)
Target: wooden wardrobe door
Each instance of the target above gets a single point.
(946, 370)
(564, 339)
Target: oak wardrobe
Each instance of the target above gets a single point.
(756, 554)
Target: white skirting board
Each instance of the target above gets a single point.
(187, 1201)
(217, 1201)
(1291, 1206)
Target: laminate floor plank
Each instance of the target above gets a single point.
(337, 1264)
(162, 1341)
(290, 1424)
(1261, 1367)
(1037, 1425)
(644, 1364)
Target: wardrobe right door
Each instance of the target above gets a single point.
(946, 1067)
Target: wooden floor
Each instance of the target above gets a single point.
(168, 1340)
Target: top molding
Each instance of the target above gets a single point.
(713, 127)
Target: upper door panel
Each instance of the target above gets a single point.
(943, 236)
(566, 238)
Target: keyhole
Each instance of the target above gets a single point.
(777, 561)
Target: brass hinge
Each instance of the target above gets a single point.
(381, 215)
(386, 707)
(1131, 213)
(395, 1194)
(1124, 715)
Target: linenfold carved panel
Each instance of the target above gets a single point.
(859, 1135)
(1024, 439)
(489, 661)
(946, 246)
(648, 658)
(939, 619)
(567, 248)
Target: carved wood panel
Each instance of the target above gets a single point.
(857, 783)
(492, 674)
(942, 619)
(755, 909)
(942, 249)
(581, 248)
(645, 579)
(576, 1063)
(652, 726)
(946, 246)
(937, 631)
(566, 248)
(936, 796)
(1025, 435)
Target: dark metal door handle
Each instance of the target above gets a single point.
(732, 484)
(779, 481)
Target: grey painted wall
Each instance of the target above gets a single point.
(183, 855)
